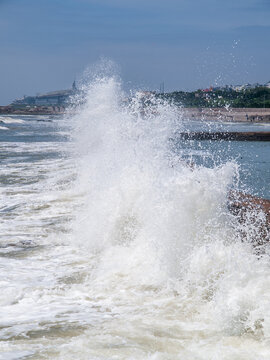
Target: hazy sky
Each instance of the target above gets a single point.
(188, 44)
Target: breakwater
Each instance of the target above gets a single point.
(230, 136)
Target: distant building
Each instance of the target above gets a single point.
(54, 98)
(226, 88)
(208, 89)
(268, 84)
(245, 87)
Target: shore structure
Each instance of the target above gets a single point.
(54, 102)
(59, 97)
(228, 135)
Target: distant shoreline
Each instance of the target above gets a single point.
(42, 110)
(250, 115)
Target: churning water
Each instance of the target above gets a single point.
(116, 245)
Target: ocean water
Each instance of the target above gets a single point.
(116, 241)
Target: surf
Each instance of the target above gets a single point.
(123, 245)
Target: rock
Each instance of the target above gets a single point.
(253, 216)
(230, 136)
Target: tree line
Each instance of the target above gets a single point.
(258, 97)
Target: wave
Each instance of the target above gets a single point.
(125, 247)
(154, 222)
(10, 120)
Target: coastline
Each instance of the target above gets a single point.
(250, 115)
(40, 110)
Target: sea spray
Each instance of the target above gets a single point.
(129, 168)
(136, 255)
(168, 273)
(153, 220)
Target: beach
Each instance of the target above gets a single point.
(230, 114)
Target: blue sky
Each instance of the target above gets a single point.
(188, 44)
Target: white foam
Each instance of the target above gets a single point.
(10, 120)
(134, 255)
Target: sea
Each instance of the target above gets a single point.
(116, 239)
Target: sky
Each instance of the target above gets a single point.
(187, 44)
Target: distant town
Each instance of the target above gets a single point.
(234, 96)
(238, 87)
(228, 96)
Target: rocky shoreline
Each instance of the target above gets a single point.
(229, 136)
(250, 209)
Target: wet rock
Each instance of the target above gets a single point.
(229, 136)
(253, 216)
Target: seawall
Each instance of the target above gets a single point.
(229, 136)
